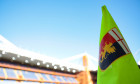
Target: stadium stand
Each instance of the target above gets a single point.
(19, 66)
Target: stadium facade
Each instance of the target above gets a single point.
(20, 66)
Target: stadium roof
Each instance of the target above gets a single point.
(9, 51)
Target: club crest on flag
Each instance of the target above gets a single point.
(112, 47)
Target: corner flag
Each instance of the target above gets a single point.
(116, 62)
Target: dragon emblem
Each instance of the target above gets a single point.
(108, 48)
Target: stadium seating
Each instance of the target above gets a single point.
(10, 73)
(28, 76)
(59, 78)
(2, 72)
(52, 77)
(45, 77)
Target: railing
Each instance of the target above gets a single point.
(19, 73)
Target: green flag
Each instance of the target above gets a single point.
(116, 62)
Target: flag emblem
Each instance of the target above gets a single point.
(112, 47)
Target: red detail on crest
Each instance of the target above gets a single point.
(120, 40)
(106, 39)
